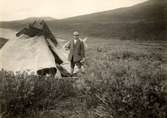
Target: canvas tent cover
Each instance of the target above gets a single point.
(29, 54)
(32, 53)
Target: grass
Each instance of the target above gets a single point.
(122, 80)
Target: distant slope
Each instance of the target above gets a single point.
(17, 24)
(7, 33)
(2, 41)
(143, 21)
(146, 20)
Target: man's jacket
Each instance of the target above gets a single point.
(77, 50)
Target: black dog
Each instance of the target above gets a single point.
(47, 71)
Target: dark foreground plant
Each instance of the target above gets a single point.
(115, 85)
(131, 87)
(23, 95)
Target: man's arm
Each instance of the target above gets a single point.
(67, 45)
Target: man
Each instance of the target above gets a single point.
(77, 52)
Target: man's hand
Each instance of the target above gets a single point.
(83, 60)
(67, 46)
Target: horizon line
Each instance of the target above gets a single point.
(64, 17)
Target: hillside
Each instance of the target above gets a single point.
(17, 24)
(145, 20)
(142, 21)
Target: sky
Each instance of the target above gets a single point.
(59, 9)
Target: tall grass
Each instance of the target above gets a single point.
(120, 84)
(24, 95)
(127, 85)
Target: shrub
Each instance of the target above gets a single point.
(122, 84)
(127, 85)
(24, 95)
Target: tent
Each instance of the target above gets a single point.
(35, 50)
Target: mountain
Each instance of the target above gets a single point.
(32, 19)
(142, 21)
(18, 24)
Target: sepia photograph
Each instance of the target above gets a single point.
(83, 58)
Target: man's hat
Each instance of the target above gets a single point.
(75, 33)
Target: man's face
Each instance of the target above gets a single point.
(76, 37)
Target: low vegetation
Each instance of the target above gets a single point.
(116, 84)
